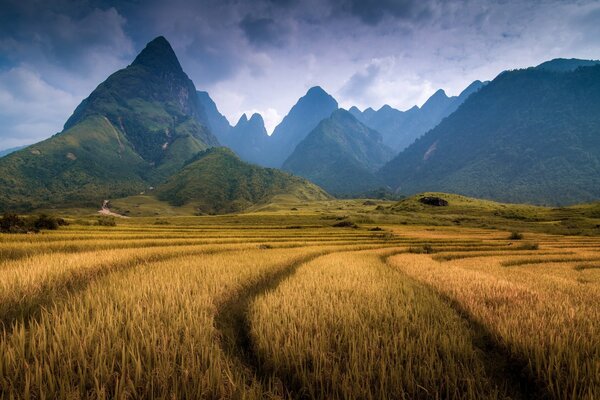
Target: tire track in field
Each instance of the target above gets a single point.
(28, 307)
(507, 371)
(233, 325)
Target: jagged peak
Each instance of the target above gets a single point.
(243, 119)
(158, 55)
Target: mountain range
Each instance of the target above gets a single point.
(134, 131)
(400, 128)
(530, 135)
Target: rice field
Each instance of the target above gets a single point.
(229, 308)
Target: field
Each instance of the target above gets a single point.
(284, 304)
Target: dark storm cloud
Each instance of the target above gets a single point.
(64, 34)
(373, 11)
(263, 31)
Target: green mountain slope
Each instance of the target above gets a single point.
(81, 166)
(304, 116)
(340, 155)
(135, 129)
(400, 128)
(529, 136)
(217, 181)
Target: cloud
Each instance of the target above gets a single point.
(373, 12)
(382, 82)
(265, 54)
(263, 31)
(30, 108)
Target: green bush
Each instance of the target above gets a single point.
(12, 223)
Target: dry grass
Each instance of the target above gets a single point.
(232, 307)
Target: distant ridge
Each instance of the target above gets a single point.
(340, 155)
(530, 136)
(304, 116)
(401, 128)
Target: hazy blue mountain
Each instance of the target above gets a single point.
(215, 121)
(304, 116)
(249, 138)
(528, 136)
(217, 181)
(566, 65)
(6, 152)
(401, 128)
(135, 129)
(340, 155)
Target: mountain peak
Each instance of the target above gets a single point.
(256, 118)
(158, 55)
(472, 88)
(316, 91)
(243, 119)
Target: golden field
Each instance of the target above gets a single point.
(242, 307)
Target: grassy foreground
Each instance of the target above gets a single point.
(280, 303)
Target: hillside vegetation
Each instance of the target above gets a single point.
(135, 129)
(528, 136)
(340, 155)
(217, 181)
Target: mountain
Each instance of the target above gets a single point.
(215, 121)
(304, 116)
(249, 138)
(566, 65)
(217, 181)
(135, 129)
(6, 152)
(528, 136)
(401, 128)
(340, 155)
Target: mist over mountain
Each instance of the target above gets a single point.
(340, 155)
(215, 121)
(530, 135)
(401, 128)
(249, 139)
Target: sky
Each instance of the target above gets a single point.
(261, 56)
